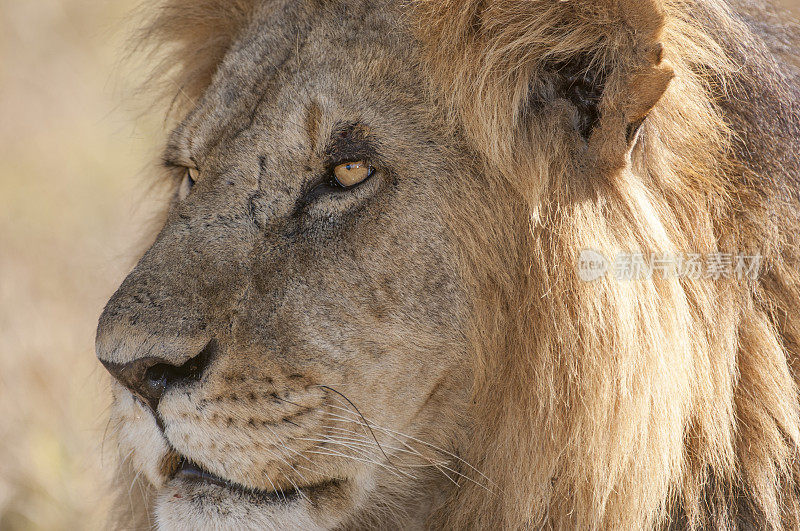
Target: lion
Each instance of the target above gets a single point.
(366, 309)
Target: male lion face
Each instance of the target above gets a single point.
(291, 348)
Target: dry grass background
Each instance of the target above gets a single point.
(73, 203)
(72, 155)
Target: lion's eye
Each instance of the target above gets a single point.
(189, 178)
(352, 173)
(191, 175)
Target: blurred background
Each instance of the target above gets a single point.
(75, 155)
(74, 201)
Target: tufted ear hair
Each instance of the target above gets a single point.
(507, 64)
(190, 39)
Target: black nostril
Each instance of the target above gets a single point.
(156, 379)
(149, 378)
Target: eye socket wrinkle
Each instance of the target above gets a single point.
(349, 143)
(176, 156)
(171, 164)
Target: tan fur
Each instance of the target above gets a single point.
(646, 392)
(193, 38)
(644, 404)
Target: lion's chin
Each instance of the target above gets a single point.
(196, 499)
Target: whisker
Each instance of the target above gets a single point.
(274, 488)
(359, 445)
(438, 449)
(442, 450)
(103, 442)
(391, 433)
(287, 463)
(359, 451)
(368, 443)
(334, 453)
(404, 465)
(362, 418)
(440, 466)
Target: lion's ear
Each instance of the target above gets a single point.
(507, 62)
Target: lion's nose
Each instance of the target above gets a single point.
(149, 378)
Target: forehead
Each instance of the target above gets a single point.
(302, 70)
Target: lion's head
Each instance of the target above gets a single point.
(363, 308)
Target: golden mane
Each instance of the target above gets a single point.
(609, 404)
(600, 404)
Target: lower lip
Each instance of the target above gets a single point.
(192, 474)
(196, 475)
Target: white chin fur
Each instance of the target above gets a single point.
(186, 505)
(213, 508)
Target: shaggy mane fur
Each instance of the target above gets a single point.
(188, 40)
(650, 403)
(653, 403)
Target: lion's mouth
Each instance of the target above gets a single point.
(195, 474)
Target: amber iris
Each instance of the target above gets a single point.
(352, 173)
